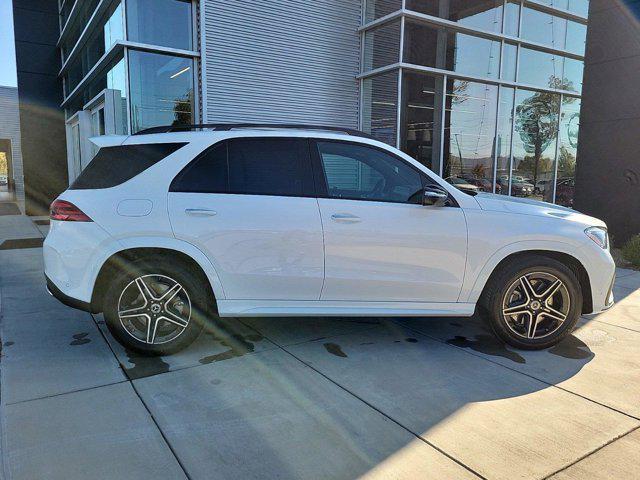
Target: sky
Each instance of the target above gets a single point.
(7, 46)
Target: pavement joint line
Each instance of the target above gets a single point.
(146, 407)
(587, 455)
(614, 325)
(70, 392)
(465, 350)
(419, 437)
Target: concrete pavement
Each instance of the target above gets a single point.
(311, 398)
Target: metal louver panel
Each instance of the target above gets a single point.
(291, 61)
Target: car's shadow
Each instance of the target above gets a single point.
(418, 372)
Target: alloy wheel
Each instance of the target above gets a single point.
(154, 309)
(536, 305)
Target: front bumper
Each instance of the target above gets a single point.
(55, 292)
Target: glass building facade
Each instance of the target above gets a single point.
(485, 93)
(129, 64)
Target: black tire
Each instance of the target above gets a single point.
(515, 330)
(157, 273)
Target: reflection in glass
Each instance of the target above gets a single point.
(509, 58)
(580, 7)
(534, 143)
(421, 118)
(379, 8)
(567, 153)
(544, 28)
(503, 139)
(573, 73)
(428, 7)
(576, 37)
(473, 55)
(512, 18)
(556, 32)
(160, 22)
(382, 46)
(379, 108)
(161, 89)
(540, 68)
(482, 14)
(470, 122)
(465, 54)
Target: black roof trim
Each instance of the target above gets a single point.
(224, 127)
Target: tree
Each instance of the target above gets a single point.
(530, 164)
(182, 109)
(537, 121)
(566, 163)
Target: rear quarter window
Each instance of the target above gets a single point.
(113, 166)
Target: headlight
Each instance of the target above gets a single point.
(598, 235)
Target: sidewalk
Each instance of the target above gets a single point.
(310, 398)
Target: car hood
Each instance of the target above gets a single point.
(500, 203)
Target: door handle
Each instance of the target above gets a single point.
(200, 212)
(345, 218)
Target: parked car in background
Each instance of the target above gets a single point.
(3, 179)
(565, 191)
(169, 229)
(463, 185)
(520, 188)
(542, 186)
(483, 184)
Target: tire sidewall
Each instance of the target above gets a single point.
(148, 267)
(510, 275)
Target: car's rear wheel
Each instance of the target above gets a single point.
(533, 302)
(153, 309)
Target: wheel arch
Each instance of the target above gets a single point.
(566, 258)
(563, 252)
(119, 260)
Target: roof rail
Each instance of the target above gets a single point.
(225, 127)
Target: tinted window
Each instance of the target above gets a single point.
(364, 173)
(259, 166)
(206, 174)
(115, 165)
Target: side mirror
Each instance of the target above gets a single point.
(434, 197)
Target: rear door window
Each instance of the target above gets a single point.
(252, 166)
(113, 166)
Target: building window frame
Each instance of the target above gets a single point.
(401, 67)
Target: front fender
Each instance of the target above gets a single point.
(474, 283)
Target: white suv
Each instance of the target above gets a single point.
(171, 228)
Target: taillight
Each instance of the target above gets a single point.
(64, 211)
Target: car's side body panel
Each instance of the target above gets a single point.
(263, 247)
(377, 252)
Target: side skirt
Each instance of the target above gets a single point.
(301, 308)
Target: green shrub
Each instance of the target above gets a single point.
(631, 251)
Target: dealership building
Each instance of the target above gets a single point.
(493, 95)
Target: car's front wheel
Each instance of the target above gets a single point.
(533, 302)
(154, 309)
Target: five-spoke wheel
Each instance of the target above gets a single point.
(536, 305)
(156, 307)
(533, 301)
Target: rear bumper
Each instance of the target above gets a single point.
(54, 291)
